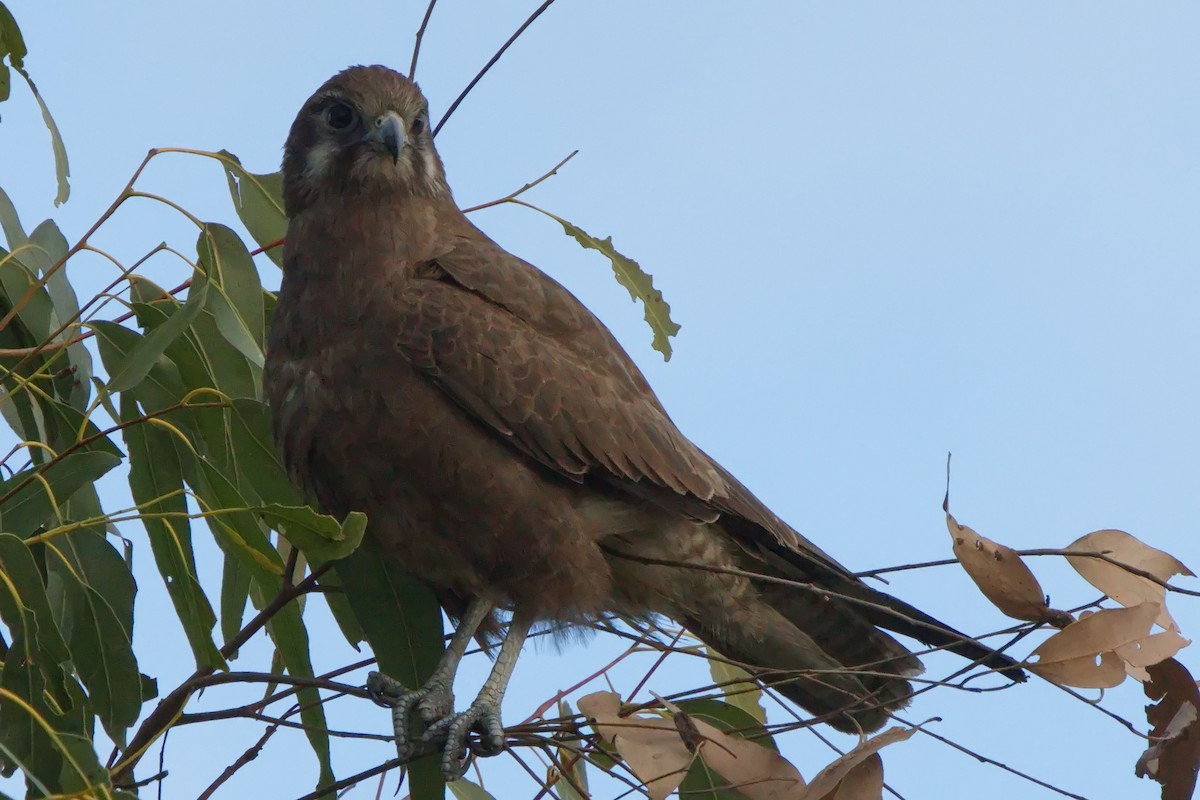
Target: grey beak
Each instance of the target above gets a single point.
(389, 131)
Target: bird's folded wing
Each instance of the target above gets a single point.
(574, 415)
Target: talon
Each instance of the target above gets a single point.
(433, 702)
(384, 691)
(483, 719)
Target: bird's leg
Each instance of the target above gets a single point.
(435, 700)
(483, 715)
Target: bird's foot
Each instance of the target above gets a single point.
(454, 734)
(433, 702)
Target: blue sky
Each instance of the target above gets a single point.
(889, 230)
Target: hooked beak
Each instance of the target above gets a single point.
(389, 131)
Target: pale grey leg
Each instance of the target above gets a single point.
(483, 716)
(435, 700)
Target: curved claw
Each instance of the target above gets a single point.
(454, 733)
(433, 702)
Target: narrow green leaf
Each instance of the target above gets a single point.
(24, 742)
(235, 592)
(257, 456)
(403, 623)
(229, 267)
(636, 281)
(238, 534)
(737, 685)
(463, 789)
(25, 504)
(139, 360)
(99, 640)
(702, 782)
(20, 572)
(156, 482)
(52, 248)
(162, 386)
(320, 536)
(258, 200)
(82, 771)
(729, 718)
(62, 169)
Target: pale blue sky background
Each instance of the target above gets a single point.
(889, 230)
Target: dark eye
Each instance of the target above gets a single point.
(339, 116)
(418, 125)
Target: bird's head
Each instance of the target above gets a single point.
(365, 131)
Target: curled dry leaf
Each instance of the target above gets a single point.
(656, 751)
(1083, 654)
(756, 772)
(1120, 584)
(649, 746)
(1173, 759)
(1002, 576)
(864, 782)
(853, 771)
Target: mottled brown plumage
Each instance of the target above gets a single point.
(506, 448)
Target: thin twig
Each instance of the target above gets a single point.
(525, 188)
(242, 760)
(491, 61)
(412, 67)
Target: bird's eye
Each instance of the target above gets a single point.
(418, 125)
(339, 116)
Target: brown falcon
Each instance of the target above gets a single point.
(508, 451)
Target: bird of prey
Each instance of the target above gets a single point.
(508, 451)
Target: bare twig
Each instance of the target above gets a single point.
(412, 67)
(491, 62)
(242, 760)
(553, 171)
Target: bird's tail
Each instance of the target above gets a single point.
(828, 660)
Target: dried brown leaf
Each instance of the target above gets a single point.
(1120, 584)
(829, 779)
(754, 771)
(1082, 654)
(1153, 649)
(864, 782)
(649, 746)
(1174, 759)
(1002, 576)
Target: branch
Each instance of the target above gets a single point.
(170, 708)
(525, 188)
(412, 67)
(463, 95)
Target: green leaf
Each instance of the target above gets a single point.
(81, 769)
(12, 44)
(702, 782)
(637, 281)
(24, 742)
(52, 248)
(258, 200)
(235, 592)
(23, 600)
(161, 387)
(257, 456)
(238, 534)
(402, 621)
(737, 686)
(156, 482)
(97, 634)
(463, 789)
(729, 718)
(62, 168)
(25, 504)
(142, 357)
(237, 303)
(320, 536)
